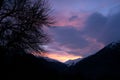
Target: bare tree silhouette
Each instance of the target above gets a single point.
(1, 2)
(22, 24)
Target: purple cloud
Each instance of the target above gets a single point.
(84, 27)
(104, 28)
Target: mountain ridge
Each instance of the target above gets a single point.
(104, 65)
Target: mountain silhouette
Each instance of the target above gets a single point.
(19, 65)
(104, 65)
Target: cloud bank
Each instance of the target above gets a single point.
(83, 27)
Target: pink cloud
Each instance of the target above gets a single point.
(63, 19)
(93, 46)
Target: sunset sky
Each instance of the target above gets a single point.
(82, 27)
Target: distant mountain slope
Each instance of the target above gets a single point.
(72, 62)
(104, 65)
(50, 60)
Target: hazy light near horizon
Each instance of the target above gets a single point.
(63, 57)
(59, 56)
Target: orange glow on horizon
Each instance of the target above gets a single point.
(62, 57)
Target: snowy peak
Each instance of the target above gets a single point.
(114, 44)
(72, 62)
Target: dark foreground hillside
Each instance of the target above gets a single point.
(18, 65)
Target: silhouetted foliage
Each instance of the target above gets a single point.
(22, 24)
